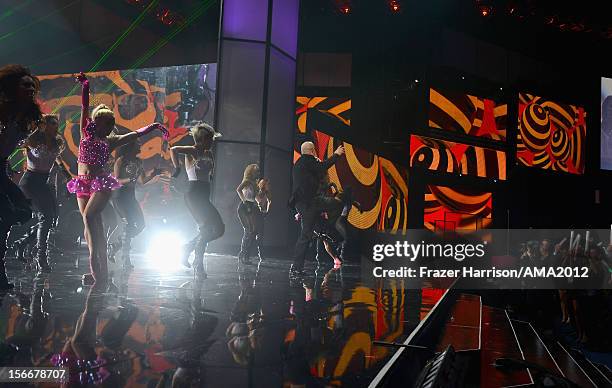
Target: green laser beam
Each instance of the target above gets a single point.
(122, 37)
(112, 48)
(11, 11)
(148, 54)
(18, 163)
(28, 25)
(163, 41)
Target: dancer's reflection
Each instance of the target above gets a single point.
(317, 313)
(30, 327)
(196, 341)
(79, 355)
(247, 321)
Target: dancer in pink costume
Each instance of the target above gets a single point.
(94, 184)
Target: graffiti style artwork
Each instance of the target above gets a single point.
(379, 185)
(173, 96)
(456, 158)
(467, 114)
(551, 135)
(448, 208)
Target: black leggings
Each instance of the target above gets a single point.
(34, 186)
(14, 209)
(127, 207)
(251, 219)
(209, 221)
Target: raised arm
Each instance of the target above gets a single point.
(82, 79)
(326, 165)
(120, 140)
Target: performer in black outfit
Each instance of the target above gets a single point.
(42, 149)
(199, 165)
(19, 116)
(128, 170)
(255, 202)
(307, 174)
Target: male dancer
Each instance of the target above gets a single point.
(307, 174)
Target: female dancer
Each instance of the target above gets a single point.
(199, 164)
(42, 150)
(128, 170)
(250, 213)
(93, 185)
(19, 116)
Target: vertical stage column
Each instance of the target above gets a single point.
(255, 108)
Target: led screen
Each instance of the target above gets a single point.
(457, 158)
(467, 114)
(455, 209)
(551, 135)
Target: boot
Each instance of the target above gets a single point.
(187, 249)
(199, 261)
(127, 261)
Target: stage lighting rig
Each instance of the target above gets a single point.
(394, 6)
(344, 7)
(485, 8)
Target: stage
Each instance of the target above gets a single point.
(242, 326)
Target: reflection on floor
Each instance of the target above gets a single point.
(247, 326)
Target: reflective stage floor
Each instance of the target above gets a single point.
(245, 326)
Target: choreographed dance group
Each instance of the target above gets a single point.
(321, 209)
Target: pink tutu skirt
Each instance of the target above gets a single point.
(86, 185)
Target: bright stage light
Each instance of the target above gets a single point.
(164, 251)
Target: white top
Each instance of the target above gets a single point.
(248, 193)
(200, 168)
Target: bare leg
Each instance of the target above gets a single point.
(92, 217)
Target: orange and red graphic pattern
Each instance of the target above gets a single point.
(454, 209)
(456, 158)
(551, 135)
(467, 114)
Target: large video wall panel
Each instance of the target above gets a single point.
(551, 135)
(466, 114)
(456, 158)
(379, 185)
(457, 209)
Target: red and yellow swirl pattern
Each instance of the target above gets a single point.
(551, 136)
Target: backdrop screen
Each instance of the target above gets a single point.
(379, 185)
(551, 135)
(457, 158)
(606, 123)
(448, 208)
(466, 114)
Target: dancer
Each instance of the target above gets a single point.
(42, 150)
(128, 170)
(199, 164)
(308, 172)
(19, 116)
(93, 185)
(254, 204)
